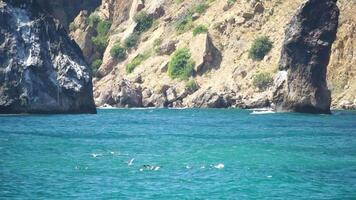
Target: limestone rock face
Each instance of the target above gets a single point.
(83, 37)
(305, 57)
(204, 53)
(224, 71)
(41, 69)
(342, 67)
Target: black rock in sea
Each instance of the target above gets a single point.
(41, 69)
(301, 83)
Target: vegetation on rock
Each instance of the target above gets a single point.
(181, 64)
(95, 66)
(93, 19)
(144, 21)
(263, 80)
(231, 2)
(191, 86)
(199, 30)
(130, 67)
(201, 8)
(132, 40)
(101, 38)
(184, 23)
(157, 45)
(118, 52)
(260, 47)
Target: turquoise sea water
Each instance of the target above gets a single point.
(202, 154)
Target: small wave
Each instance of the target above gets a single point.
(81, 168)
(219, 166)
(262, 112)
(143, 108)
(95, 155)
(176, 108)
(150, 168)
(130, 162)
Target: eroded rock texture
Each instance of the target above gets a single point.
(41, 69)
(66, 10)
(301, 86)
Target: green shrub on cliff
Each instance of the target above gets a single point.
(118, 52)
(178, 1)
(231, 2)
(93, 19)
(132, 40)
(95, 65)
(130, 67)
(184, 23)
(102, 32)
(260, 47)
(191, 86)
(144, 21)
(201, 8)
(181, 64)
(263, 80)
(157, 45)
(100, 43)
(103, 27)
(199, 30)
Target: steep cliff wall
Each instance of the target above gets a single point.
(41, 69)
(234, 80)
(342, 67)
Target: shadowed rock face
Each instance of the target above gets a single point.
(63, 10)
(41, 69)
(66, 10)
(301, 84)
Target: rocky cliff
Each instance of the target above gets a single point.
(342, 67)
(66, 10)
(235, 46)
(41, 69)
(304, 59)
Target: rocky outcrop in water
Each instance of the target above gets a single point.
(41, 69)
(301, 84)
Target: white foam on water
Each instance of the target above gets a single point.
(130, 162)
(150, 168)
(262, 112)
(202, 167)
(188, 167)
(94, 155)
(269, 176)
(183, 108)
(144, 108)
(219, 166)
